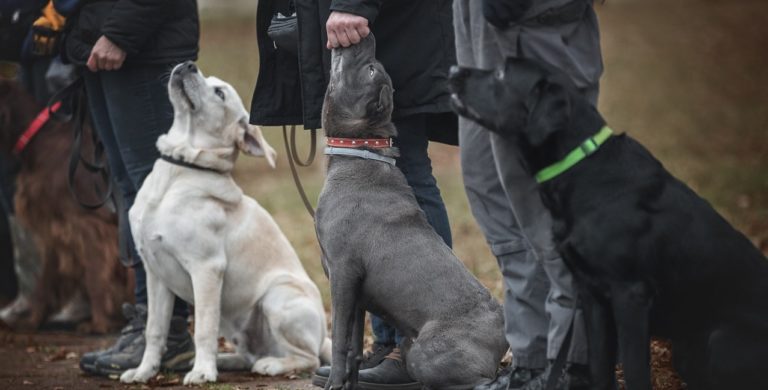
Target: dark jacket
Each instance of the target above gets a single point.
(16, 18)
(414, 42)
(150, 31)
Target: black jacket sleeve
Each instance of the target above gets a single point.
(368, 9)
(132, 22)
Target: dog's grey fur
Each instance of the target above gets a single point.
(381, 254)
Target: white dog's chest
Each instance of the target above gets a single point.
(159, 256)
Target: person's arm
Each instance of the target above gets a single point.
(125, 31)
(501, 13)
(349, 21)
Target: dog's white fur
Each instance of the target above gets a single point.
(203, 240)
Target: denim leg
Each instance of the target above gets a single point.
(383, 333)
(130, 109)
(415, 164)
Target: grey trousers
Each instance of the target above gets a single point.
(503, 196)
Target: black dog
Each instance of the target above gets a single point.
(654, 257)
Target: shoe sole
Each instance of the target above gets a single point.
(179, 363)
(320, 381)
(89, 369)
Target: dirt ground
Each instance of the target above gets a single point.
(48, 360)
(686, 77)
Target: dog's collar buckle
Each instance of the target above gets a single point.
(584, 150)
(354, 143)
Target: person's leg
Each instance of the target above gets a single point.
(139, 111)
(415, 164)
(579, 56)
(526, 284)
(98, 109)
(111, 122)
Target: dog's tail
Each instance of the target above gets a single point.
(325, 352)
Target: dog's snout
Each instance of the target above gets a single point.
(188, 67)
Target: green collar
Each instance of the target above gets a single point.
(579, 153)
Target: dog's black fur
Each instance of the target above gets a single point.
(653, 258)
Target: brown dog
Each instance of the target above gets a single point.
(78, 247)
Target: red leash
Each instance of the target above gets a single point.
(34, 127)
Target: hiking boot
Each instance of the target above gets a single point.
(512, 378)
(179, 354)
(371, 359)
(376, 355)
(389, 374)
(134, 329)
(573, 377)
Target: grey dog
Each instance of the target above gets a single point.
(381, 254)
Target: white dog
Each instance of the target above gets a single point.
(203, 240)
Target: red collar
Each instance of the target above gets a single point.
(34, 127)
(371, 143)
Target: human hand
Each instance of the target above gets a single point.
(345, 29)
(500, 13)
(105, 55)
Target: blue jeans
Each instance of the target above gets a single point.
(130, 109)
(415, 164)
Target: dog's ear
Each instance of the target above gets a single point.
(251, 141)
(385, 98)
(550, 109)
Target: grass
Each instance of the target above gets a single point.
(703, 116)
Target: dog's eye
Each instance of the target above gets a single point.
(219, 92)
(371, 70)
(499, 74)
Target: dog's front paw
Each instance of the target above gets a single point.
(197, 377)
(269, 366)
(137, 375)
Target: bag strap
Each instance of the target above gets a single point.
(293, 159)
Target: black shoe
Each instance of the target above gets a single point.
(376, 355)
(179, 354)
(371, 359)
(512, 378)
(390, 374)
(573, 377)
(134, 329)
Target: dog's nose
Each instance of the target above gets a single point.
(188, 67)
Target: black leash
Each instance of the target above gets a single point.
(293, 159)
(558, 366)
(73, 97)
